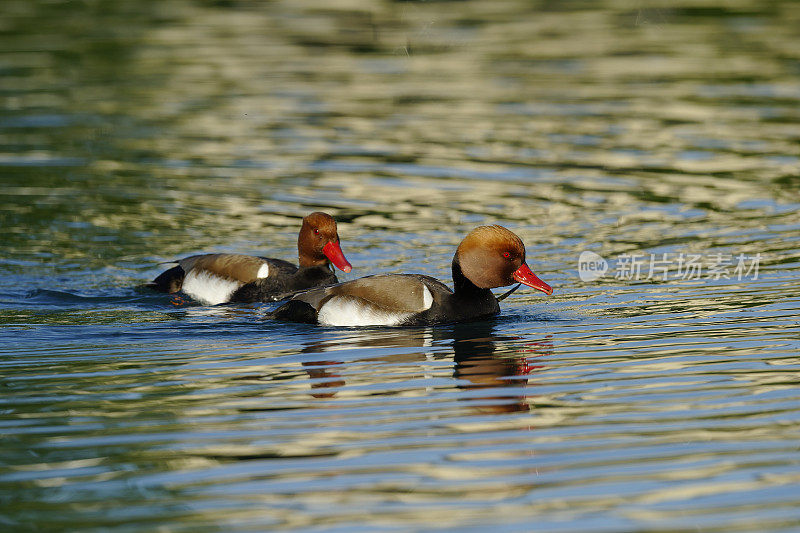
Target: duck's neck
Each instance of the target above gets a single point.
(463, 287)
(309, 260)
(325, 267)
(311, 276)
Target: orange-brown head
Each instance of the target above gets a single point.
(318, 242)
(492, 256)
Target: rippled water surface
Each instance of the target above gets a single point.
(655, 398)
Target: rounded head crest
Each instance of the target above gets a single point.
(489, 256)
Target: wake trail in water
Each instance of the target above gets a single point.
(56, 298)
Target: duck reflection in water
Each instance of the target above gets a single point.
(491, 363)
(499, 365)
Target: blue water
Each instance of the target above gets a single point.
(133, 133)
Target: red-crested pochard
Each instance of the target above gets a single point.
(219, 278)
(488, 257)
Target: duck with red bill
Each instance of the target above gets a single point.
(220, 278)
(488, 257)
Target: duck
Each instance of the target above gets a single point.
(488, 257)
(214, 279)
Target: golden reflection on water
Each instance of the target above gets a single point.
(137, 132)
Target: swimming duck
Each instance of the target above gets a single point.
(220, 278)
(488, 257)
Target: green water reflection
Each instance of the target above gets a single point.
(133, 132)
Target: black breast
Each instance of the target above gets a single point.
(468, 303)
(455, 308)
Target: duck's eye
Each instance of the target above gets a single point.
(507, 255)
(316, 231)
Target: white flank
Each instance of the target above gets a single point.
(208, 288)
(263, 271)
(347, 311)
(427, 297)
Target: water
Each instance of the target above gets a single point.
(137, 132)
